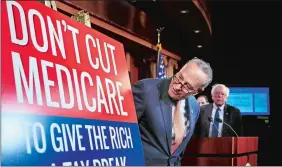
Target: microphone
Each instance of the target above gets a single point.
(220, 121)
(211, 121)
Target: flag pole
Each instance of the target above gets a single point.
(159, 45)
(159, 30)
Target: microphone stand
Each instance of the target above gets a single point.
(231, 128)
(220, 121)
(211, 121)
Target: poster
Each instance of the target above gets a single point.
(66, 97)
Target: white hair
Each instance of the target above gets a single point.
(220, 85)
(205, 67)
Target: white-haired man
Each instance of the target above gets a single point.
(208, 124)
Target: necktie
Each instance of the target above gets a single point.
(214, 130)
(178, 126)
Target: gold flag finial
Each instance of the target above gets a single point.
(49, 3)
(82, 17)
(159, 45)
(159, 34)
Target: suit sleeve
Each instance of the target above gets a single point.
(138, 97)
(198, 128)
(238, 123)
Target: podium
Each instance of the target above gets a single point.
(222, 151)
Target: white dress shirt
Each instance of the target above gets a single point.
(221, 113)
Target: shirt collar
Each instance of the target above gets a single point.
(182, 103)
(221, 107)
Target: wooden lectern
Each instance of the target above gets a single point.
(222, 151)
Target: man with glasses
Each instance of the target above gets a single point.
(167, 111)
(208, 126)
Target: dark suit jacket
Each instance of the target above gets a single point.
(232, 116)
(154, 112)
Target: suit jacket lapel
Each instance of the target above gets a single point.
(226, 117)
(189, 108)
(209, 114)
(167, 120)
(166, 108)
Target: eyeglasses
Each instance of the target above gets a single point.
(219, 93)
(185, 86)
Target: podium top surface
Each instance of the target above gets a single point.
(222, 145)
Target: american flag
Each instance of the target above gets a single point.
(161, 73)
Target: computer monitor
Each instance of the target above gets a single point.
(250, 100)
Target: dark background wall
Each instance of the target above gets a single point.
(246, 51)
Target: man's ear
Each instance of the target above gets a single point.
(200, 90)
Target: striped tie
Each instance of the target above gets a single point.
(178, 126)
